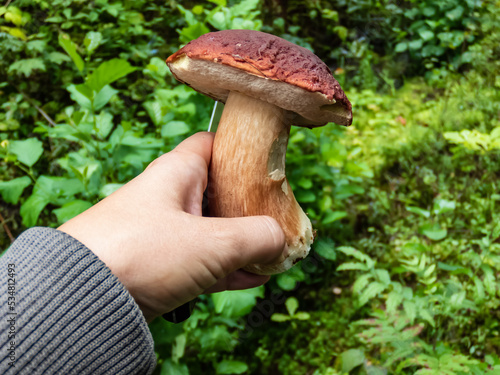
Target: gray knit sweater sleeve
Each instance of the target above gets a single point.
(70, 314)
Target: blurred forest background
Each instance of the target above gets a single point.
(404, 276)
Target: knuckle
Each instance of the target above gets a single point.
(158, 161)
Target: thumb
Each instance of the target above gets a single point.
(237, 242)
(199, 144)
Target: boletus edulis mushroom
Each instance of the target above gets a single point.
(267, 85)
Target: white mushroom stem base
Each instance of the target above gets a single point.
(247, 174)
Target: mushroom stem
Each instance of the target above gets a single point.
(247, 174)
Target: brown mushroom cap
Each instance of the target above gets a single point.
(266, 67)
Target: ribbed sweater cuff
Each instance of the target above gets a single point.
(73, 315)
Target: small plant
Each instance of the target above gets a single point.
(292, 304)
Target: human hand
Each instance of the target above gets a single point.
(151, 234)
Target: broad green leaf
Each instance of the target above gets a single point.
(326, 249)
(415, 44)
(27, 66)
(56, 190)
(144, 142)
(157, 66)
(426, 34)
(32, 207)
(220, 19)
(245, 24)
(179, 347)
(197, 9)
(12, 190)
(174, 128)
(289, 279)
(83, 95)
(108, 72)
(104, 122)
(109, 189)
(70, 48)
(433, 232)
(69, 132)
(36, 46)
(83, 89)
(489, 280)
(92, 40)
(302, 316)
(348, 190)
(216, 339)
(221, 3)
(418, 211)
(429, 11)
(332, 216)
(237, 303)
(14, 31)
(9, 125)
(305, 196)
(169, 367)
(479, 288)
(342, 32)
(192, 32)
(165, 332)
(27, 151)
(58, 186)
(280, 318)
(58, 57)
(292, 305)
(376, 370)
(56, 19)
(154, 111)
(14, 15)
(286, 281)
(306, 183)
(188, 16)
(456, 13)
(401, 47)
(102, 97)
(244, 8)
(442, 206)
(71, 209)
(453, 268)
(351, 359)
(231, 367)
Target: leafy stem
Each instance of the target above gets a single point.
(28, 171)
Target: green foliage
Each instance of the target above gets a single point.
(403, 276)
(379, 42)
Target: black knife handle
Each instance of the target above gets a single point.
(181, 313)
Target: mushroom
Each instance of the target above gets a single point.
(267, 84)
